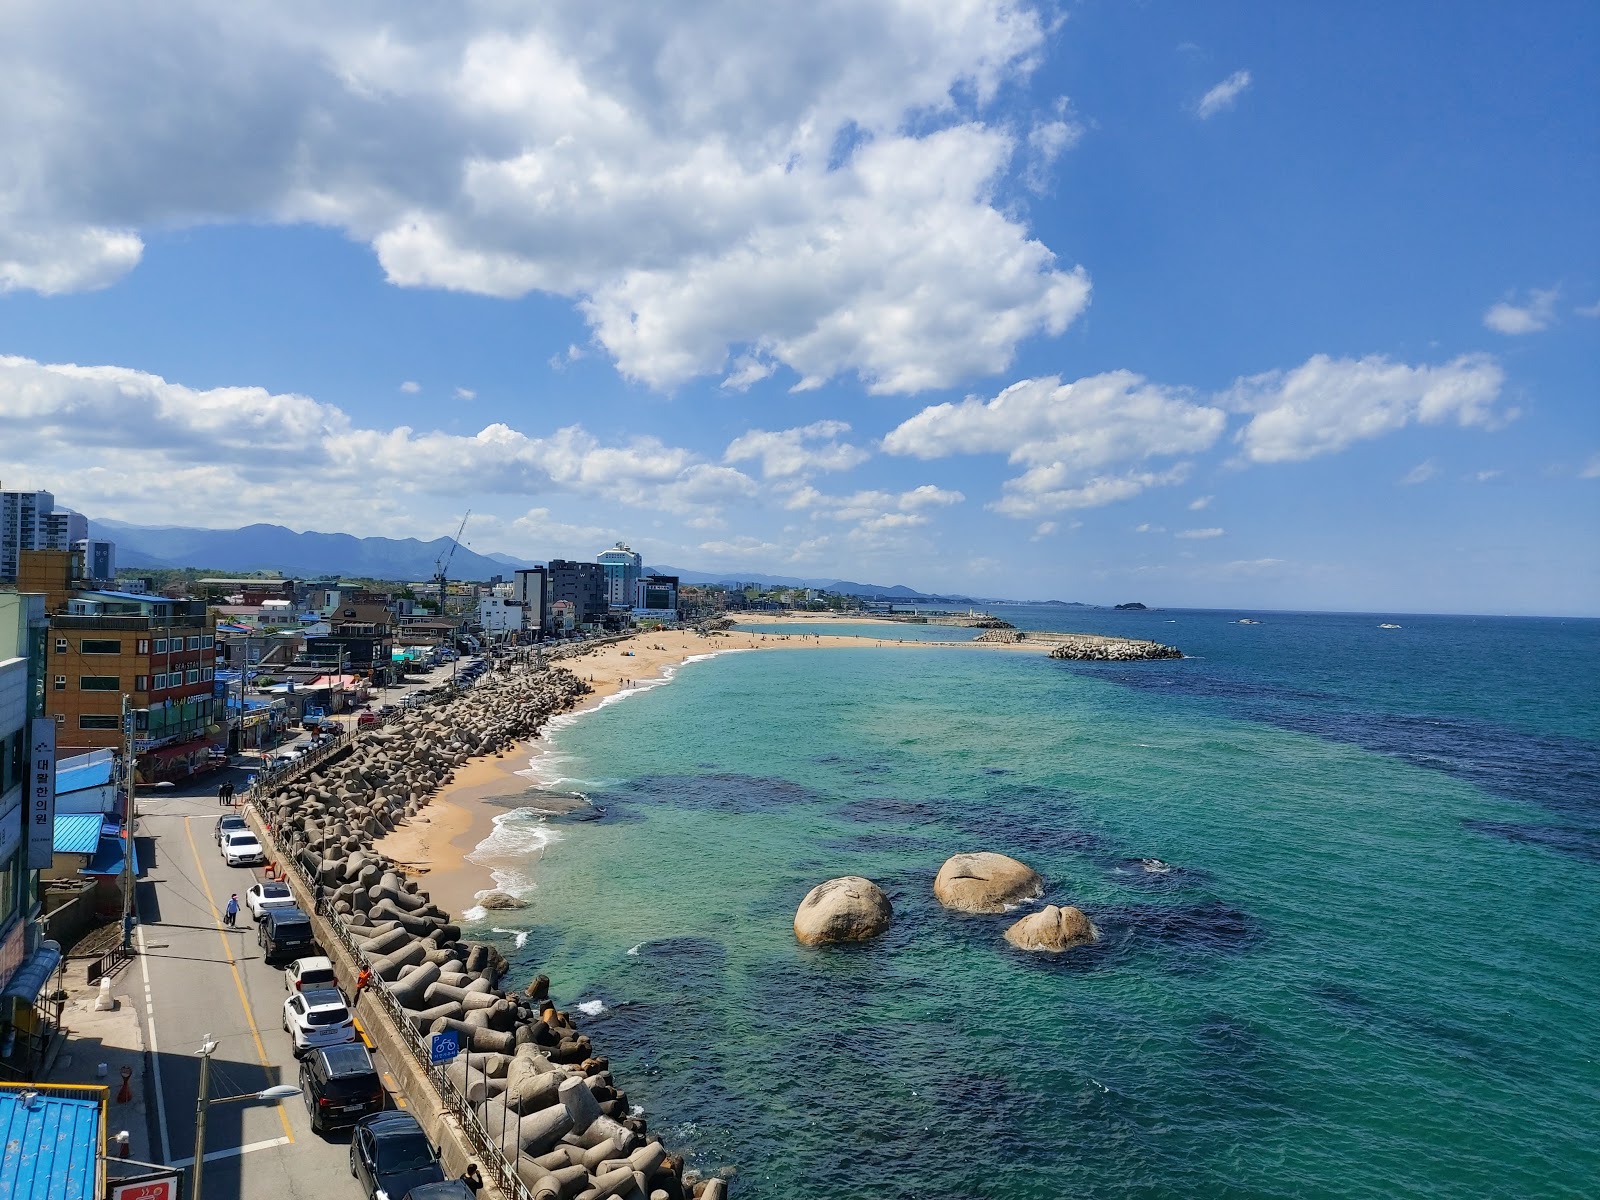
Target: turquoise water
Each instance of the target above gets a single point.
(1368, 971)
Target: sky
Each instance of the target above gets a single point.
(1222, 305)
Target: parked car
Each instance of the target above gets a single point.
(367, 719)
(304, 973)
(317, 1017)
(340, 1086)
(242, 849)
(389, 1153)
(452, 1189)
(231, 823)
(260, 898)
(285, 933)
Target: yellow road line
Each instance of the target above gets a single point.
(238, 980)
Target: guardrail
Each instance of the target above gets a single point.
(109, 963)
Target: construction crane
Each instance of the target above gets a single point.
(442, 565)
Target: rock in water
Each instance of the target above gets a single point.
(848, 909)
(985, 883)
(1051, 929)
(499, 899)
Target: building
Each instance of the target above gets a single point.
(99, 558)
(656, 596)
(160, 654)
(530, 587)
(583, 586)
(31, 521)
(360, 639)
(501, 618)
(622, 570)
(26, 826)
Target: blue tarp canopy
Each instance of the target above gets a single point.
(52, 1146)
(29, 979)
(88, 775)
(107, 858)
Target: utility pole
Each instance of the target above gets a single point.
(128, 815)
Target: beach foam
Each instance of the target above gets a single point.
(589, 1008)
(511, 852)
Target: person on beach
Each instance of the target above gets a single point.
(230, 915)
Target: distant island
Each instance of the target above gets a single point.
(1133, 607)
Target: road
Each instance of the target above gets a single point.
(200, 979)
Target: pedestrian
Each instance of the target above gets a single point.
(363, 982)
(473, 1178)
(230, 915)
(318, 893)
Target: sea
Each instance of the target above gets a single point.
(1345, 870)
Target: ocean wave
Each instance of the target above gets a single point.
(589, 1008)
(512, 852)
(519, 935)
(633, 952)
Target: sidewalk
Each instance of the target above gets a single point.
(100, 1044)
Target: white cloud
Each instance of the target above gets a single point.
(787, 453)
(1591, 469)
(1486, 476)
(1199, 534)
(1146, 527)
(573, 353)
(115, 437)
(411, 387)
(1223, 96)
(810, 186)
(1047, 141)
(1327, 404)
(1534, 315)
(1588, 310)
(1066, 435)
(462, 393)
(1200, 502)
(1420, 473)
(1043, 530)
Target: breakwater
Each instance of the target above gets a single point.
(544, 1103)
(1084, 647)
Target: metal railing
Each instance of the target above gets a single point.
(109, 963)
(492, 1159)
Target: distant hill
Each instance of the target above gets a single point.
(876, 591)
(275, 548)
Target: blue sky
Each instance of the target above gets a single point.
(1234, 305)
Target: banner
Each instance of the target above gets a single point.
(149, 1187)
(41, 802)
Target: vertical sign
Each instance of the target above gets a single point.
(41, 805)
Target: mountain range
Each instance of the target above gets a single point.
(314, 555)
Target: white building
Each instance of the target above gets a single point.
(501, 616)
(623, 568)
(31, 521)
(99, 557)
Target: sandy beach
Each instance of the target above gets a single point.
(435, 845)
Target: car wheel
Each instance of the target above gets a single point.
(352, 1159)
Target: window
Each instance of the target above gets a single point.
(141, 683)
(208, 673)
(194, 643)
(100, 646)
(208, 642)
(143, 646)
(88, 721)
(98, 683)
(61, 683)
(61, 645)
(194, 675)
(161, 645)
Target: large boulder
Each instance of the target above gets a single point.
(985, 883)
(848, 909)
(1051, 929)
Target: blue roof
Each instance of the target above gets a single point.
(52, 1146)
(77, 833)
(89, 775)
(139, 596)
(107, 859)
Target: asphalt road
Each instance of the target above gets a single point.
(203, 979)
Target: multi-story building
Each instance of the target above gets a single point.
(31, 521)
(26, 961)
(657, 596)
(622, 567)
(530, 587)
(159, 653)
(99, 558)
(501, 617)
(583, 586)
(360, 639)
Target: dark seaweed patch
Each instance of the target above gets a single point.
(1582, 843)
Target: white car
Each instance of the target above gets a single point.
(308, 974)
(264, 896)
(317, 1017)
(243, 850)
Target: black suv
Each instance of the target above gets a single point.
(340, 1085)
(286, 933)
(389, 1153)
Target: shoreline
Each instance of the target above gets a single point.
(440, 845)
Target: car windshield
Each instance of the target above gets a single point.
(352, 1059)
(274, 891)
(403, 1151)
(244, 841)
(327, 1016)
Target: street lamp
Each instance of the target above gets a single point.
(281, 1091)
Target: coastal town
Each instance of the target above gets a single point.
(219, 813)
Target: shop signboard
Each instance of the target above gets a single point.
(41, 796)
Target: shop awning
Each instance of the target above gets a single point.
(77, 833)
(107, 858)
(53, 1144)
(31, 976)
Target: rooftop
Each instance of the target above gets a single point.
(53, 1143)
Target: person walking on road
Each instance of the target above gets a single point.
(230, 915)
